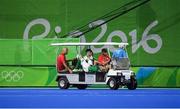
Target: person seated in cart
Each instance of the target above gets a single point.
(88, 63)
(104, 61)
(62, 65)
(120, 53)
(120, 58)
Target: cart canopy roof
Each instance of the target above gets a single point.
(88, 44)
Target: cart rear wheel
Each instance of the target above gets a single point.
(63, 83)
(113, 84)
(81, 86)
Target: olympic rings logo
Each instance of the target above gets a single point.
(13, 76)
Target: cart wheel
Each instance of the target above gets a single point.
(81, 86)
(113, 84)
(63, 83)
(132, 84)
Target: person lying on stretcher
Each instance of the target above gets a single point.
(89, 64)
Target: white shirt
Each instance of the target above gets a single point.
(86, 62)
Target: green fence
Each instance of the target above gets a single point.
(45, 76)
(32, 52)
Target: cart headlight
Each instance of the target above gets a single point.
(132, 74)
(119, 73)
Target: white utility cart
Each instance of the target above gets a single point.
(119, 75)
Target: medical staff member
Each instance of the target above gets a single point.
(62, 65)
(104, 60)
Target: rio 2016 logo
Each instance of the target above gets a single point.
(12, 76)
(116, 33)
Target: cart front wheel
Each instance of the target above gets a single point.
(132, 84)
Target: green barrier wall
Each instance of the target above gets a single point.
(27, 76)
(45, 76)
(32, 52)
(151, 30)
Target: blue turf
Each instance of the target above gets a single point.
(123, 98)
